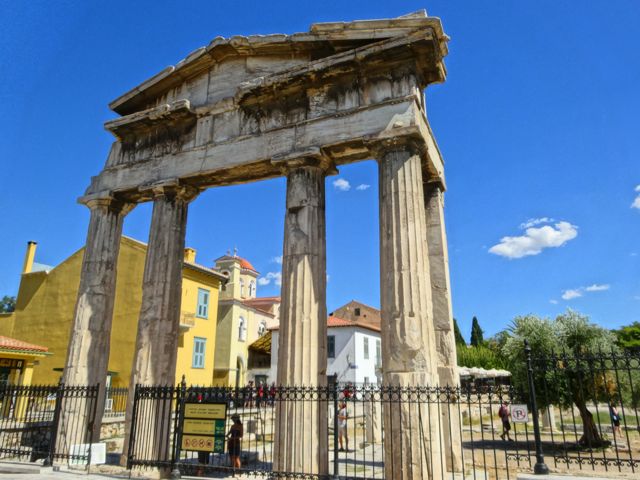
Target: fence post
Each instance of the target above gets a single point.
(335, 427)
(48, 462)
(92, 420)
(134, 421)
(540, 468)
(177, 431)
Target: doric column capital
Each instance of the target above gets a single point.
(312, 157)
(172, 189)
(380, 148)
(107, 203)
(432, 188)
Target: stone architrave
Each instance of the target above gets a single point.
(301, 441)
(411, 429)
(158, 324)
(88, 351)
(443, 322)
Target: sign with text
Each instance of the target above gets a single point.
(519, 414)
(203, 427)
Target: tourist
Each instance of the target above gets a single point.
(615, 419)
(505, 416)
(272, 394)
(235, 438)
(343, 414)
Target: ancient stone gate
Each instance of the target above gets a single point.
(250, 108)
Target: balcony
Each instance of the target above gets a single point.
(187, 321)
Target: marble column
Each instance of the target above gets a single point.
(88, 350)
(301, 441)
(158, 324)
(443, 322)
(411, 429)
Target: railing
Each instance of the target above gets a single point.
(115, 404)
(35, 422)
(489, 432)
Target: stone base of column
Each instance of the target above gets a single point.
(450, 418)
(412, 434)
(301, 436)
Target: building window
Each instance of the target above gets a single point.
(252, 289)
(378, 354)
(241, 287)
(262, 328)
(331, 346)
(199, 345)
(202, 309)
(242, 330)
(357, 311)
(366, 347)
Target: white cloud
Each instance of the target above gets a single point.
(276, 277)
(579, 292)
(327, 278)
(341, 184)
(597, 288)
(555, 302)
(535, 240)
(532, 222)
(363, 186)
(570, 294)
(633, 254)
(277, 260)
(636, 202)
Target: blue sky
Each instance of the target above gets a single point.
(538, 123)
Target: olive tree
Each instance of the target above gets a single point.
(567, 368)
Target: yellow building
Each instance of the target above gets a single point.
(242, 319)
(46, 301)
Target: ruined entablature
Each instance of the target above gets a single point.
(221, 115)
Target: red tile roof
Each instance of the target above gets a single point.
(335, 322)
(7, 343)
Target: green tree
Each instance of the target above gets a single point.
(7, 304)
(481, 357)
(571, 379)
(477, 335)
(628, 337)
(458, 334)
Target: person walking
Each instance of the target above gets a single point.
(343, 414)
(615, 419)
(235, 439)
(505, 416)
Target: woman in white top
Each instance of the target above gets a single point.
(342, 426)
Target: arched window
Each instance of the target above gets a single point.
(242, 287)
(242, 330)
(262, 328)
(252, 289)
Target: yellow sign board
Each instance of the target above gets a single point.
(199, 427)
(210, 411)
(194, 442)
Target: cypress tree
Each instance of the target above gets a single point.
(458, 334)
(477, 338)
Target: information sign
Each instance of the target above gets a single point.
(204, 427)
(519, 414)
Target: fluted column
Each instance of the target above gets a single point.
(443, 321)
(158, 324)
(412, 436)
(301, 427)
(88, 351)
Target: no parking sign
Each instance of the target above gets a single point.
(519, 414)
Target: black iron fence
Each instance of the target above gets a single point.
(589, 404)
(564, 411)
(35, 422)
(588, 417)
